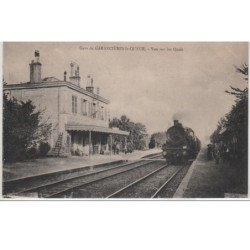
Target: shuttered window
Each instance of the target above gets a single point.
(83, 107)
(74, 104)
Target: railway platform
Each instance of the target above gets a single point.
(36, 167)
(206, 179)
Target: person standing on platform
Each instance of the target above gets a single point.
(117, 148)
(209, 152)
(114, 148)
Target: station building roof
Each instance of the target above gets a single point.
(80, 127)
(50, 82)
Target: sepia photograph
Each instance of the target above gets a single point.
(125, 120)
(124, 125)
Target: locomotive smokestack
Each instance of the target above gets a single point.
(176, 122)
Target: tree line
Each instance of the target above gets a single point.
(232, 128)
(137, 133)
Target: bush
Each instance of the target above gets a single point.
(151, 143)
(44, 148)
(22, 129)
(32, 153)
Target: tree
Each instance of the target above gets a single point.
(159, 138)
(216, 136)
(238, 93)
(235, 123)
(232, 132)
(138, 132)
(23, 128)
(152, 142)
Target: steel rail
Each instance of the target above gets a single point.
(75, 177)
(152, 156)
(166, 182)
(96, 180)
(137, 181)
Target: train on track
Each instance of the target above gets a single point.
(181, 144)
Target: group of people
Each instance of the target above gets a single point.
(218, 151)
(116, 148)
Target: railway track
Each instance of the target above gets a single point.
(146, 178)
(58, 186)
(150, 185)
(96, 186)
(151, 182)
(167, 190)
(26, 183)
(136, 182)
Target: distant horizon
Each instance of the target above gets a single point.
(150, 83)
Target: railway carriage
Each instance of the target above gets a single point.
(181, 144)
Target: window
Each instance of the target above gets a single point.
(102, 113)
(105, 115)
(89, 109)
(94, 110)
(83, 107)
(74, 104)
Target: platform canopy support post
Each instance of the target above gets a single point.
(111, 144)
(90, 143)
(125, 144)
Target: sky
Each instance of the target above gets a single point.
(151, 83)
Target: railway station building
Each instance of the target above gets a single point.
(78, 113)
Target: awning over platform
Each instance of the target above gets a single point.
(77, 127)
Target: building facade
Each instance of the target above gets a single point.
(79, 115)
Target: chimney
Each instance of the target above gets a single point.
(35, 69)
(75, 74)
(77, 71)
(71, 69)
(65, 76)
(90, 87)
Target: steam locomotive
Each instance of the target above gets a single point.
(181, 144)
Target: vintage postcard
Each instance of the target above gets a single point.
(125, 120)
